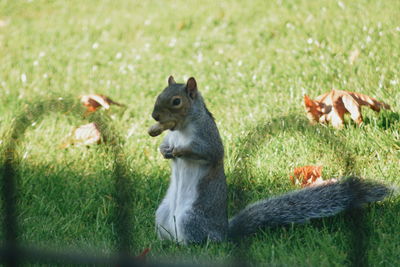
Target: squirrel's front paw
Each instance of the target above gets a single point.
(166, 152)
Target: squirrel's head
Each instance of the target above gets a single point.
(174, 102)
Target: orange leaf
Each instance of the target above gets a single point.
(142, 256)
(306, 175)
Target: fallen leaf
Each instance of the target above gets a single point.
(333, 105)
(143, 254)
(306, 175)
(95, 101)
(84, 135)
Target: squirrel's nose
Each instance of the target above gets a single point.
(155, 116)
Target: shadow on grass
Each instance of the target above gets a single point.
(358, 228)
(386, 119)
(34, 112)
(124, 187)
(250, 143)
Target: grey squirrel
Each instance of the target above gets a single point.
(195, 206)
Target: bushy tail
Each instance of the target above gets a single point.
(308, 203)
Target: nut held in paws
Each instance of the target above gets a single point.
(158, 128)
(155, 130)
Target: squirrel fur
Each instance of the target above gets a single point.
(195, 206)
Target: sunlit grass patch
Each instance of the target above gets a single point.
(253, 62)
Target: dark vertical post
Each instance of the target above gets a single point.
(359, 238)
(122, 190)
(9, 196)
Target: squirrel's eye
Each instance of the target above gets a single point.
(176, 102)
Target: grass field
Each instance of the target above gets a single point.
(253, 61)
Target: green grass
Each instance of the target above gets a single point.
(253, 61)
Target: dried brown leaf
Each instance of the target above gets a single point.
(306, 175)
(142, 256)
(84, 135)
(96, 101)
(332, 106)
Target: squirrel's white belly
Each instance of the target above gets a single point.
(180, 197)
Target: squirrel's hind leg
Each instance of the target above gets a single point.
(164, 224)
(198, 229)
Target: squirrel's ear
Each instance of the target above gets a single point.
(191, 87)
(171, 80)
